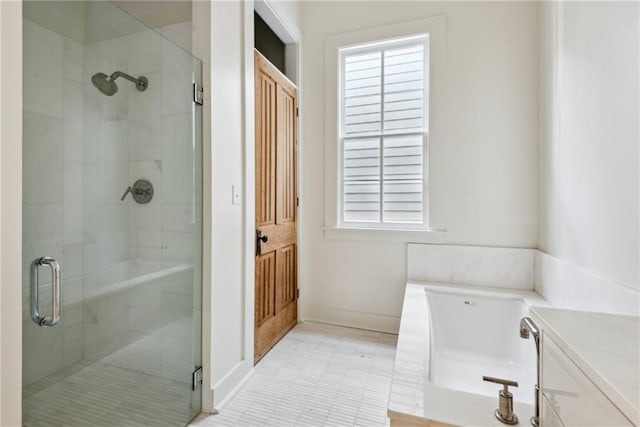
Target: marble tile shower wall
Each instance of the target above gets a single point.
(53, 165)
(138, 135)
(91, 147)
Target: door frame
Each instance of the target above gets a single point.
(293, 48)
(11, 213)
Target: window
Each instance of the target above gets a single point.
(383, 130)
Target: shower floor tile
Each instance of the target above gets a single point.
(124, 398)
(317, 375)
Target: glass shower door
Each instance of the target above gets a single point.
(112, 195)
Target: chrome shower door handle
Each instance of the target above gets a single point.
(55, 297)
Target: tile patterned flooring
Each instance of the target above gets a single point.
(124, 398)
(139, 386)
(317, 375)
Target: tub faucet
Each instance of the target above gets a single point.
(504, 413)
(526, 325)
(527, 328)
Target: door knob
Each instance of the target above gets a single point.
(259, 240)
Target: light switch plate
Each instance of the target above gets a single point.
(235, 195)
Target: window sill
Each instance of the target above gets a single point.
(385, 235)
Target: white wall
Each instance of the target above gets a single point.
(227, 109)
(482, 171)
(588, 171)
(232, 164)
(288, 13)
(10, 212)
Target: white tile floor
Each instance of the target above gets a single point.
(317, 375)
(125, 398)
(142, 384)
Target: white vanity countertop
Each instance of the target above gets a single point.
(606, 347)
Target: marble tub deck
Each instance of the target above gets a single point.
(414, 400)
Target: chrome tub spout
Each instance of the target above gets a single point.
(528, 328)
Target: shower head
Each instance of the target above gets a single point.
(104, 84)
(107, 85)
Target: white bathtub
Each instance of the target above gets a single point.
(450, 336)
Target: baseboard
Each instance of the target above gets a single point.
(230, 384)
(352, 319)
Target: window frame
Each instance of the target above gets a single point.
(435, 230)
(382, 45)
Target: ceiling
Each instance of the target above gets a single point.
(154, 13)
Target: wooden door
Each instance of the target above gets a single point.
(276, 281)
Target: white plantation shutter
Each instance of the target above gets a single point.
(383, 132)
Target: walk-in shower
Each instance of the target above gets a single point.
(112, 284)
(107, 84)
